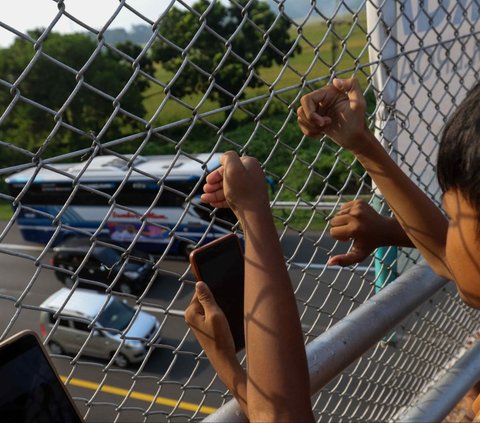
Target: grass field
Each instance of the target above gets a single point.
(349, 38)
(5, 210)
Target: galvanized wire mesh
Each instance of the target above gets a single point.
(191, 106)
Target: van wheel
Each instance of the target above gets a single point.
(121, 361)
(55, 348)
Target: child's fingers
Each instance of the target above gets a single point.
(347, 206)
(306, 130)
(307, 127)
(344, 209)
(213, 197)
(340, 220)
(210, 187)
(310, 104)
(253, 167)
(231, 160)
(205, 297)
(336, 260)
(314, 121)
(194, 312)
(341, 233)
(249, 162)
(215, 176)
(194, 299)
(349, 259)
(352, 88)
(304, 121)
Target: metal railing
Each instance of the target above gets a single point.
(206, 77)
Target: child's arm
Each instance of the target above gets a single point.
(339, 111)
(357, 221)
(278, 387)
(210, 327)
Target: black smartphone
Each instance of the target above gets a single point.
(30, 388)
(220, 264)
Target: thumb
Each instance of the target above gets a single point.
(231, 163)
(351, 87)
(204, 295)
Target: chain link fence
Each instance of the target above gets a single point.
(108, 140)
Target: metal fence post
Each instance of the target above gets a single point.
(382, 50)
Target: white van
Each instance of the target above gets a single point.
(107, 332)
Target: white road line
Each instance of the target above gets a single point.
(22, 247)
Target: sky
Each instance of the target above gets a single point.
(28, 14)
(23, 15)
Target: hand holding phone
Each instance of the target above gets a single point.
(220, 264)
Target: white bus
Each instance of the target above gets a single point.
(159, 199)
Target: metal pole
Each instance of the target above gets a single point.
(381, 17)
(336, 349)
(435, 405)
(346, 341)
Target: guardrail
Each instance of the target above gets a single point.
(333, 351)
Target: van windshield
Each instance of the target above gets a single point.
(117, 315)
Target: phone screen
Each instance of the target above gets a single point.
(30, 391)
(220, 265)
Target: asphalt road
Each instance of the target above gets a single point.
(171, 382)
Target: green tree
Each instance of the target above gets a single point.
(146, 63)
(226, 51)
(52, 89)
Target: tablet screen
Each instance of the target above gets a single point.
(30, 391)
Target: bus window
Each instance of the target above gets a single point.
(132, 194)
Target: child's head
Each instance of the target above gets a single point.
(458, 172)
(458, 165)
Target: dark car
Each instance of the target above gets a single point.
(103, 265)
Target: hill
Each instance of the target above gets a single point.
(298, 9)
(295, 9)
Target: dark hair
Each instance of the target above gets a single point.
(458, 165)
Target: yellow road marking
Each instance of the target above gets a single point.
(137, 395)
